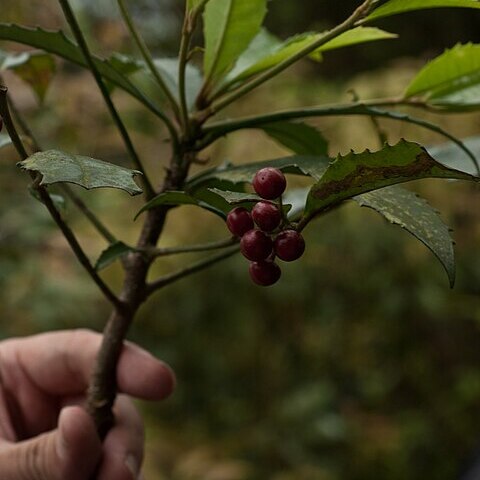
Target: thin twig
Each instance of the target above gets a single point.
(247, 87)
(142, 46)
(201, 247)
(184, 272)
(217, 130)
(187, 30)
(77, 32)
(47, 201)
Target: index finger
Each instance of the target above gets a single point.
(61, 363)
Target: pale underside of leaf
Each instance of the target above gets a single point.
(394, 7)
(58, 167)
(406, 209)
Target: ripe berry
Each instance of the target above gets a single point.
(265, 273)
(267, 216)
(269, 183)
(256, 246)
(289, 245)
(239, 221)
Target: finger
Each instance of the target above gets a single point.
(123, 447)
(71, 451)
(60, 363)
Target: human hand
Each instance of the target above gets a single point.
(44, 432)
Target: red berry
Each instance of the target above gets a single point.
(269, 183)
(239, 221)
(267, 216)
(265, 273)
(256, 246)
(289, 245)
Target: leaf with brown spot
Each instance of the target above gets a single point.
(358, 173)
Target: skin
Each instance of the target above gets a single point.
(45, 434)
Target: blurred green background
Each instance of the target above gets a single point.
(360, 364)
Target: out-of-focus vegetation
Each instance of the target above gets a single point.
(361, 364)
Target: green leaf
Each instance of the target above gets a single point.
(235, 198)
(177, 198)
(412, 213)
(252, 62)
(394, 7)
(299, 137)
(247, 200)
(57, 43)
(355, 174)
(450, 80)
(35, 68)
(140, 76)
(237, 174)
(114, 252)
(193, 4)
(229, 27)
(4, 140)
(56, 167)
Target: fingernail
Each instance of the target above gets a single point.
(133, 465)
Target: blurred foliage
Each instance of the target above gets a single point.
(360, 364)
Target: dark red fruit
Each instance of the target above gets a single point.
(239, 221)
(265, 273)
(267, 216)
(289, 245)
(256, 246)
(269, 183)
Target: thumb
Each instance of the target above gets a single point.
(71, 451)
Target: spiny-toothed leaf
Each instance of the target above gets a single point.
(177, 198)
(275, 52)
(229, 27)
(57, 43)
(114, 252)
(406, 209)
(58, 167)
(394, 7)
(235, 174)
(35, 68)
(450, 80)
(358, 173)
(299, 137)
(4, 140)
(447, 154)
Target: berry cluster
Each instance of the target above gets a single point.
(272, 238)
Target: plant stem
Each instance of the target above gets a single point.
(202, 247)
(216, 130)
(78, 34)
(247, 87)
(187, 30)
(194, 268)
(47, 201)
(148, 57)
